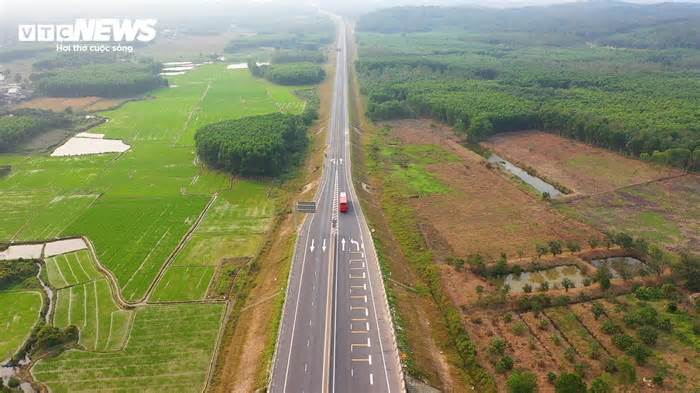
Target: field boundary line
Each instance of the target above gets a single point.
(580, 197)
(181, 244)
(217, 345)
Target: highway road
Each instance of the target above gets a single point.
(336, 333)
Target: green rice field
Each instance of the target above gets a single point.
(136, 208)
(168, 349)
(18, 314)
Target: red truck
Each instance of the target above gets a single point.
(343, 202)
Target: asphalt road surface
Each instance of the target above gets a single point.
(336, 333)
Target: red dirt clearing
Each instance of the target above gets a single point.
(584, 168)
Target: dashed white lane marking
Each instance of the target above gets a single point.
(367, 360)
(371, 379)
(363, 297)
(360, 345)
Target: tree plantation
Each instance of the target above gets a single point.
(253, 146)
(640, 102)
(102, 80)
(22, 124)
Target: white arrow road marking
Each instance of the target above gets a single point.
(353, 241)
(324, 245)
(342, 243)
(312, 245)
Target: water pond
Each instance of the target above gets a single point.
(552, 275)
(621, 266)
(534, 181)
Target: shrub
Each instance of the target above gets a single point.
(658, 378)
(570, 354)
(610, 365)
(587, 282)
(519, 328)
(544, 287)
(522, 382)
(648, 335)
(497, 346)
(597, 310)
(527, 288)
(508, 317)
(672, 307)
(627, 372)
(665, 324)
(504, 364)
(561, 300)
(602, 384)
(639, 352)
(603, 277)
(570, 383)
(543, 324)
(623, 341)
(610, 328)
(551, 377)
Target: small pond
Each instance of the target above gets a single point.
(552, 275)
(534, 181)
(619, 266)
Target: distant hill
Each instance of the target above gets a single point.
(665, 25)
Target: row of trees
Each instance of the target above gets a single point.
(263, 145)
(297, 56)
(102, 80)
(654, 26)
(22, 124)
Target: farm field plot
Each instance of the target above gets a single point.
(90, 307)
(71, 269)
(489, 214)
(133, 237)
(584, 168)
(233, 227)
(59, 104)
(18, 314)
(168, 349)
(675, 351)
(666, 212)
(577, 335)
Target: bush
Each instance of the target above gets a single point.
(544, 287)
(543, 324)
(597, 310)
(639, 352)
(522, 382)
(519, 328)
(665, 324)
(610, 328)
(504, 364)
(253, 146)
(648, 335)
(497, 346)
(527, 288)
(570, 383)
(551, 377)
(602, 384)
(570, 354)
(623, 341)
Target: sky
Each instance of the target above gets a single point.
(31, 10)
